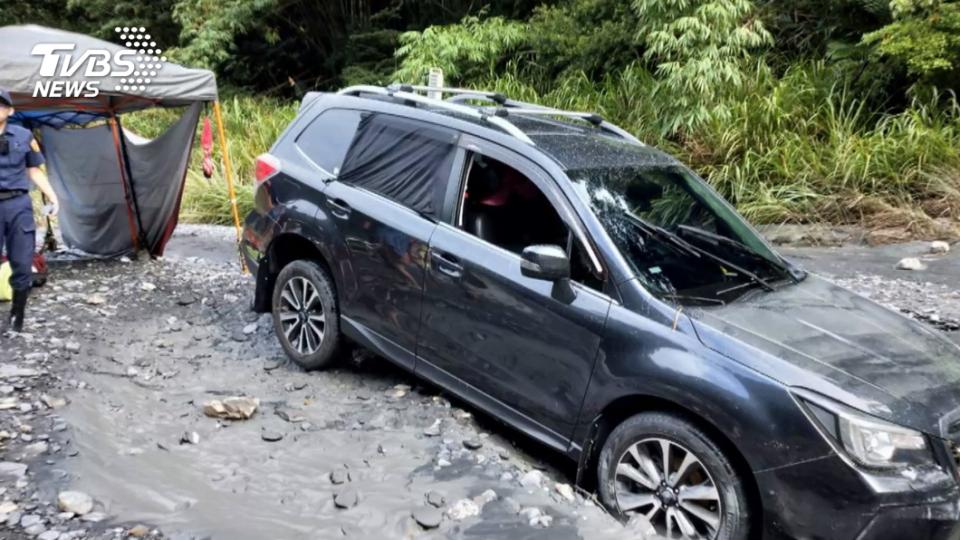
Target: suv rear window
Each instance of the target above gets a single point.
(404, 160)
(326, 140)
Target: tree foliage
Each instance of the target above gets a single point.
(702, 50)
(471, 47)
(924, 37)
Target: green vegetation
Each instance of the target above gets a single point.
(810, 110)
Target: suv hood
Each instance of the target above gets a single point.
(831, 340)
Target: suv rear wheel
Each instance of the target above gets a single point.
(305, 316)
(664, 468)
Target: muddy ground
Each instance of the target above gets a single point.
(104, 397)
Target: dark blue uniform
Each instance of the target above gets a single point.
(17, 228)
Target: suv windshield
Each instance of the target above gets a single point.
(684, 242)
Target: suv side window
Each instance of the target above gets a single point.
(326, 139)
(403, 160)
(503, 207)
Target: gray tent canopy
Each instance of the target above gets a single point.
(118, 192)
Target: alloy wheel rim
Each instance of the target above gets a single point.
(669, 485)
(301, 316)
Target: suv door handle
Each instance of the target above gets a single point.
(339, 209)
(447, 264)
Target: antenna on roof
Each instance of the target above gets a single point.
(435, 80)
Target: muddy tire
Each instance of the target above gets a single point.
(305, 315)
(700, 495)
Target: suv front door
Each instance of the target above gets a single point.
(502, 338)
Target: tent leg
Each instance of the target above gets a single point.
(134, 237)
(228, 172)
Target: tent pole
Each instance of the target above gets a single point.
(228, 171)
(123, 182)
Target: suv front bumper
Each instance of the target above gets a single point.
(827, 498)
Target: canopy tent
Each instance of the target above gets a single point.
(118, 192)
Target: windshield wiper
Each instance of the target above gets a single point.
(697, 251)
(703, 299)
(663, 234)
(739, 246)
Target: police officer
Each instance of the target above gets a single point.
(20, 161)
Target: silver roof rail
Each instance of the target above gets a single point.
(406, 92)
(509, 106)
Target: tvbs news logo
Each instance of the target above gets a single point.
(128, 70)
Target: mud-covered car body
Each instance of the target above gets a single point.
(755, 373)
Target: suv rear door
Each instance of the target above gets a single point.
(384, 202)
(503, 339)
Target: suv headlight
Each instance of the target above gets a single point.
(869, 441)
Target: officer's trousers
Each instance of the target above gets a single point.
(18, 239)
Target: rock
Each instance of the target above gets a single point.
(9, 403)
(190, 437)
(36, 529)
(53, 402)
(339, 476)
(75, 501)
(484, 498)
(272, 365)
(532, 479)
(96, 300)
(433, 430)
(7, 508)
(138, 531)
(348, 498)
(435, 498)
(463, 509)
(290, 415)
(398, 391)
(271, 436)
(911, 263)
(186, 300)
(72, 347)
(428, 517)
(29, 520)
(146, 286)
(472, 444)
(939, 247)
(11, 469)
(536, 518)
(49, 535)
(231, 408)
(250, 328)
(94, 517)
(565, 491)
(9, 371)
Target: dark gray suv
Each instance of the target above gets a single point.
(598, 296)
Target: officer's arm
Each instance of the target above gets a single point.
(43, 184)
(37, 175)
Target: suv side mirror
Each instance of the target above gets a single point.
(547, 262)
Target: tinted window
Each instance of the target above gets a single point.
(326, 140)
(403, 160)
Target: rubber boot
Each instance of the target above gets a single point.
(18, 310)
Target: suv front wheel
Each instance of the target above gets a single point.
(664, 468)
(305, 316)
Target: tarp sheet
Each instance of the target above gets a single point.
(173, 85)
(84, 171)
(402, 160)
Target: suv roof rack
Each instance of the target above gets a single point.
(508, 106)
(497, 115)
(407, 92)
